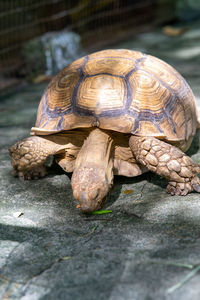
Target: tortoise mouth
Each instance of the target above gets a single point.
(95, 205)
(88, 201)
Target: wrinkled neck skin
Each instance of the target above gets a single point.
(93, 172)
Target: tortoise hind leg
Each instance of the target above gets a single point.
(93, 171)
(169, 162)
(29, 155)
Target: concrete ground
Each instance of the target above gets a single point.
(147, 248)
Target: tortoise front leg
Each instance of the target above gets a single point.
(93, 171)
(29, 155)
(169, 162)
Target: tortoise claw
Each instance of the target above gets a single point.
(196, 187)
(35, 173)
(183, 188)
(196, 184)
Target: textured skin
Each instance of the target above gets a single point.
(169, 162)
(28, 157)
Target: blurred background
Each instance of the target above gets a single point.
(40, 37)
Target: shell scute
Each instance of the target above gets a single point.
(96, 99)
(61, 89)
(110, 65)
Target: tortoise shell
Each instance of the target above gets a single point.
(121, 90)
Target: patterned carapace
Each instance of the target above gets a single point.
(121, 90)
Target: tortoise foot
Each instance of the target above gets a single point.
(169, 162)
(33, 173)
(179, 188)
(183, 188)
(28, 157)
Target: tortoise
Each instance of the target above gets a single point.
(113, 112)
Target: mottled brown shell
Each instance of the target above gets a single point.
(122, 90)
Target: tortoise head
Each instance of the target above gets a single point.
(90, 187)
(93, 172)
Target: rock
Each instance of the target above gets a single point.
(51, 52)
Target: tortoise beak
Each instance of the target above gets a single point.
(89, 204)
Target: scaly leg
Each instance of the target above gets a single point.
(29, 155)
(169, 162)
(93, 171)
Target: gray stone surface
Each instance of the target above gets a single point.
(150, 241)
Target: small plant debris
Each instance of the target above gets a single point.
(65, 258)
(18, 214)
(184, 280)
(127, 192)
(101, 212)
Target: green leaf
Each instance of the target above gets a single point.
(101, 212)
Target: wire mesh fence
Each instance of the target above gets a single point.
(97, 22)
